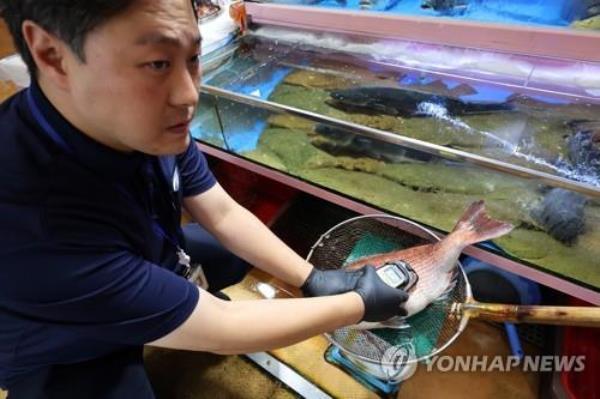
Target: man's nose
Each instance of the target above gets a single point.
(184, 91)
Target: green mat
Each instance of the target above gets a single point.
(369, 244)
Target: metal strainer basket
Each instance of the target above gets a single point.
(383, 351)
(388, 352)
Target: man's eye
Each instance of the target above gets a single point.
(159, 65)
(195, 59)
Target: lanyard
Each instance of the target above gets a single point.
(47, 128)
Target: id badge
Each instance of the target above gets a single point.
(193, 271)
(195, 274)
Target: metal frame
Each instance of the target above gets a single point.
(514, 39)
(287, 375)
(542, 277)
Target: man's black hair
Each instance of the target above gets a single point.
(69, 20)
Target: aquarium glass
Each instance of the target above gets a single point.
(539, 127)
(575, 14)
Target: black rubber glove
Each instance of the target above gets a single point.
(381, 301)
(329, 282)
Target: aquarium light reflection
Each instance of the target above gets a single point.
(243, 129)
(484, 92)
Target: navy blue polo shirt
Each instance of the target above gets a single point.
(83, 271)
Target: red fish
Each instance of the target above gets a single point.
(435, 263)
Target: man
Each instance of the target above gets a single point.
(96, 163)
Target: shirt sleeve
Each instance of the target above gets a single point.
(112, 296)
(194, 173)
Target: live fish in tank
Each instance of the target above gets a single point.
(582, 161)
(562, 212)
(561, 215)
(405, 103)
(430, 268)
(314, 2)
(391, 4)
(584, 147)
(446, 6)
(339, 142)
(365, 4)
(592, 10)
(441, 88)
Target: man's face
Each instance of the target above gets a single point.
(139, 84)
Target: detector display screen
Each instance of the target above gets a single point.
(392, 275)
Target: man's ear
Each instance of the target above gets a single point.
(48, 52)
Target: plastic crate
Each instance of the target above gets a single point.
(578, 341)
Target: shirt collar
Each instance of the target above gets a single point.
(94, 155)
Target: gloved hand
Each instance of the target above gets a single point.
(329, 282)
(381, 301)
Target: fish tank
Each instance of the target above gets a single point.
(575, 14)
(421, 131)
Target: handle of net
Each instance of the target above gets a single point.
(583, 316)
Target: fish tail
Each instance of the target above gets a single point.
(475, 225)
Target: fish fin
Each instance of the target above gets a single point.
(437, 86)
(462, 89)
(475, 225)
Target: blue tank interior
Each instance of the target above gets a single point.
(243, 134)
(530, 12)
